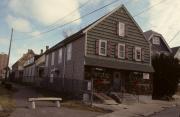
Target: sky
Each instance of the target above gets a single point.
(31, 18)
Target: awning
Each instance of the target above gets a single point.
(115, 64)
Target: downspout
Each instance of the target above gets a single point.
(64, 66)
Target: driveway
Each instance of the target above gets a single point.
(44, 109)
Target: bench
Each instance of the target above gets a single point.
(33, 100)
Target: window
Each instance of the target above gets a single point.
(52, 59)
(60, 56)
(69, 51)
(47, 59)
(121, 51)
(137, 53)
(156, 40)
(103, 47)
(121, 29)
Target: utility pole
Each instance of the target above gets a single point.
(6, 75)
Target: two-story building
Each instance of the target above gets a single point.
(112, 51)
(18, 66)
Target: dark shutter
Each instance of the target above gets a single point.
(142, 55)
(109, 48)
(126, 52)
(117, 31)
(133, 53)
(97, 47)
(116, 51)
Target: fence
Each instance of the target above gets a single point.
(72, 87)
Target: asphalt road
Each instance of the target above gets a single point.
(171, 112)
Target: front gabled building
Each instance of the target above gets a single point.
(158, 43)
(113, 51)
(18, 66)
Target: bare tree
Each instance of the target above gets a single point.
(67, 32)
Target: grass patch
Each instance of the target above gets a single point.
(6, 101)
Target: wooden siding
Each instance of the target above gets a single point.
(74, 68)
(107, 30)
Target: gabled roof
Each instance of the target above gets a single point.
(149, 34)
(175, 50)
(87, 28)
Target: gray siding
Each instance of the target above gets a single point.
(107, 30)
(74, 68)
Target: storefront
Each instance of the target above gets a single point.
(112, 80)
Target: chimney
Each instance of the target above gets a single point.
(41, 51)
(29, 50)
(47, 47)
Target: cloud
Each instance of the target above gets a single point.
(166, 17)
(4, 41)
(19, 24)
(46, 11)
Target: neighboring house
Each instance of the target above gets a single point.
(112, 51)
(40, 64)
(30, 69)
(176, 52)
(18, 67)
(158, 43)
(3, 64)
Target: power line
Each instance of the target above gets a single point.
(174, 37)
(57, 27)
(57, 21)
(149, 8)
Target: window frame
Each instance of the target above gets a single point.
(120, 33)
(52, 58)
(136, 49)
(60, 55)
(124, 52)
(154, 40)
(47, 60)
(69, 52)
(100, 47)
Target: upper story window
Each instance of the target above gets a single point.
(156, 40)
(121, 51)
(138, 54)
(52, 59)
(69, 51)
(103, 47)
(60, 56)
(47, 59)
(121, 29)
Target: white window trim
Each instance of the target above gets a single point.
(103, 54)
(60, 56)
(121, 32)
(138, 48)
(120, 44)
(47, 60)
(52, 58)
(69, 54)
(154, 40)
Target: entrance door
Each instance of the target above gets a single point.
(117, 82)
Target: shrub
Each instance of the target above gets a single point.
(166, 76)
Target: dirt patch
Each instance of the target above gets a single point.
(6, 101)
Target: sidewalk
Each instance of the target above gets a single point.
(145, 107)
(43, 109)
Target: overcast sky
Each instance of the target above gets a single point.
(31, 17)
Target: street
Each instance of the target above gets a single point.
(171, 112)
